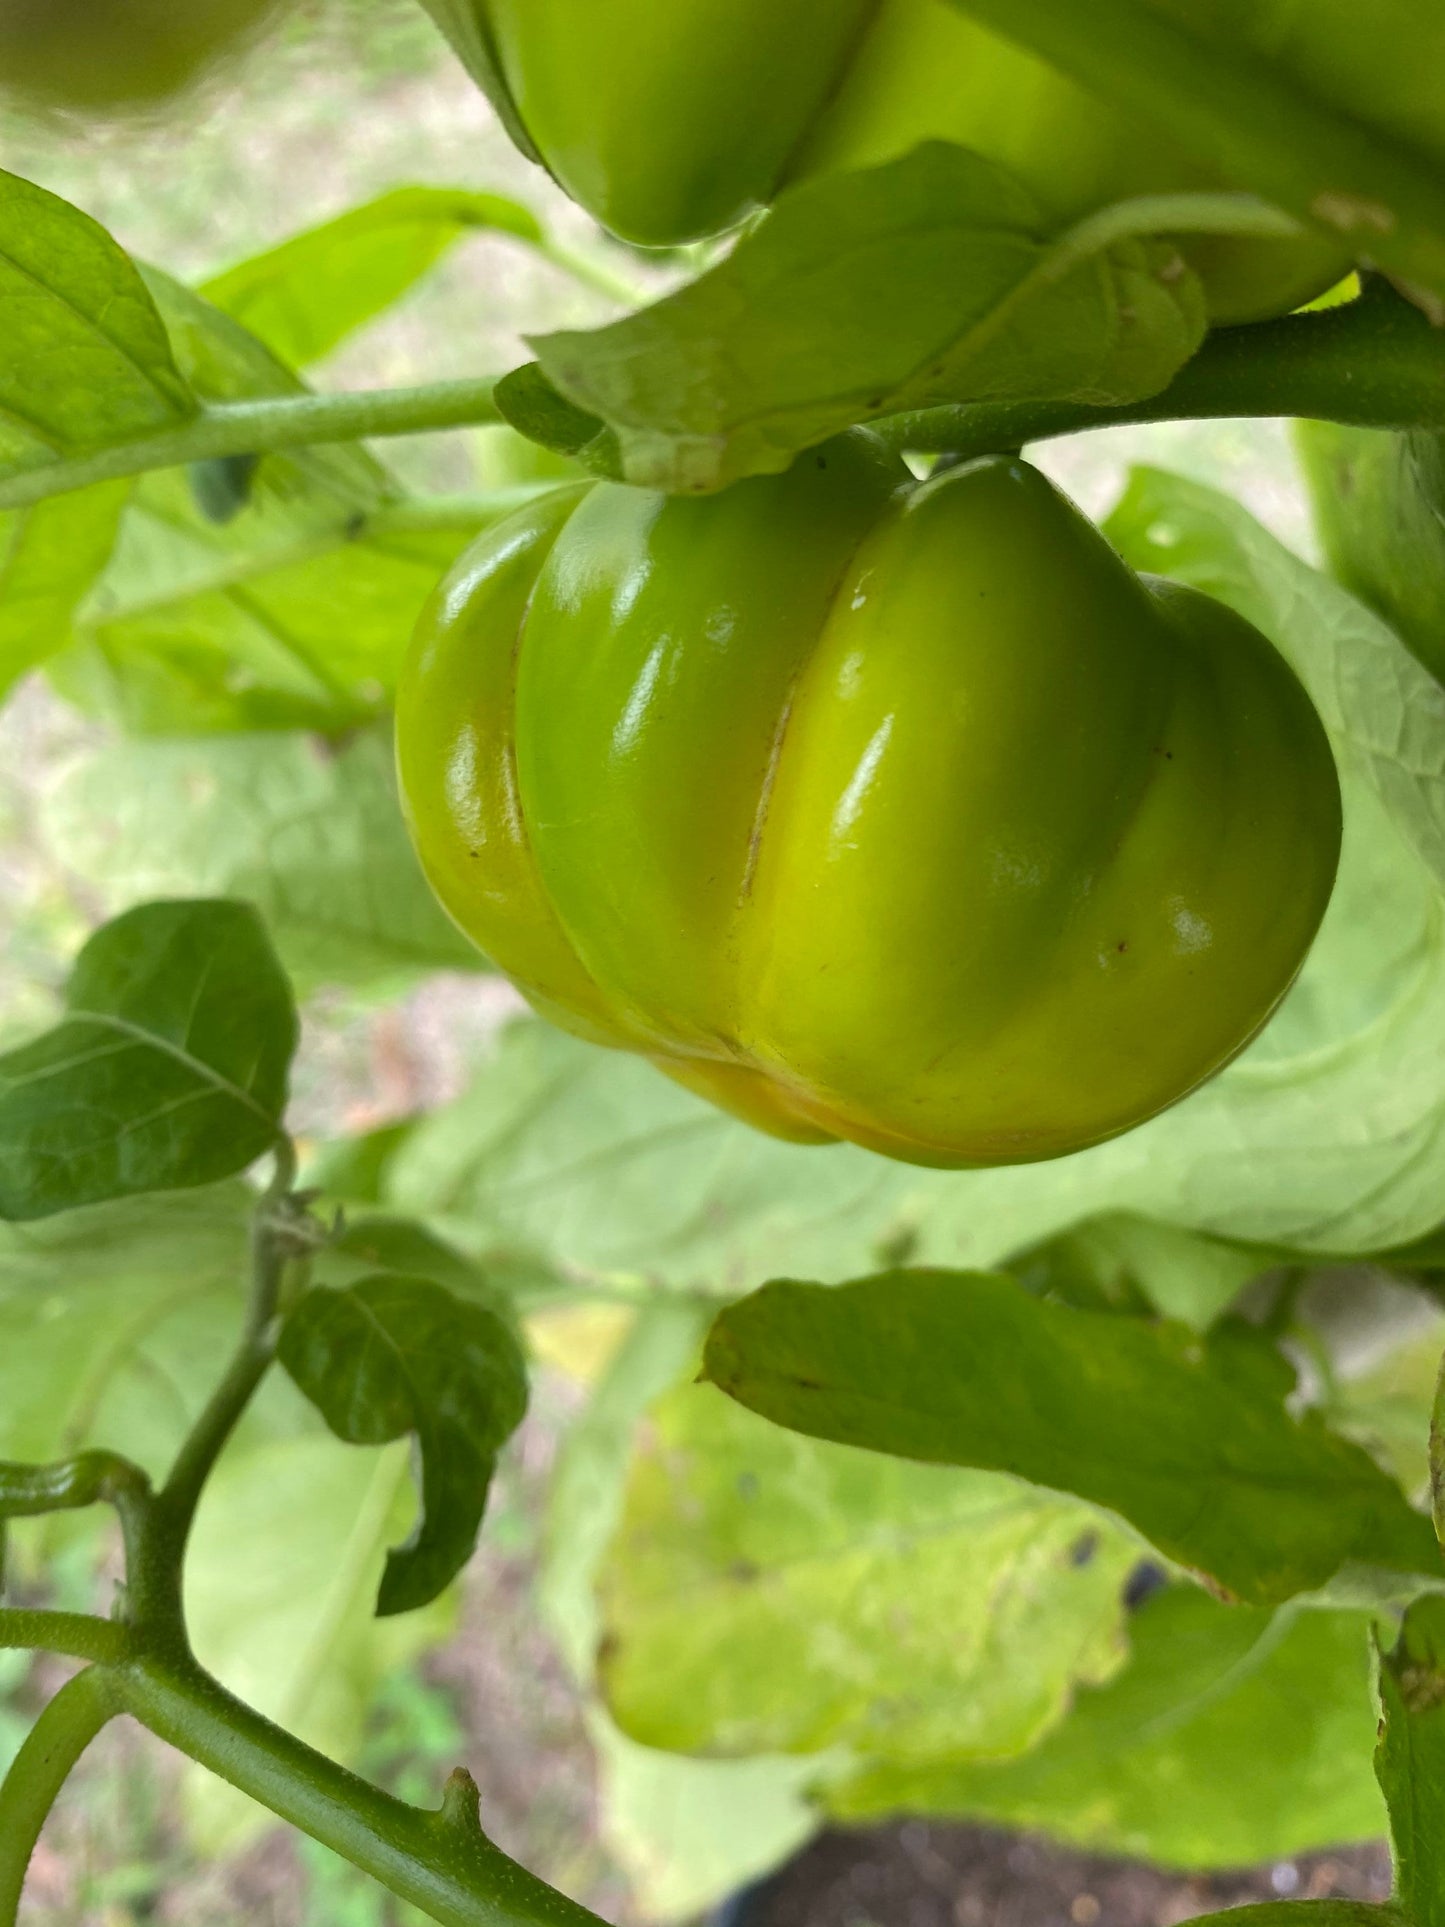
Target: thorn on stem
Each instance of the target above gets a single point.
(461, 1802)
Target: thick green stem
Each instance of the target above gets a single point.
(1244, 116)
(40, 1769)
(1375, 362)
(76, 1635)
(260, 428)
(440, 1862)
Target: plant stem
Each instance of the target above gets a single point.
(434, 1860)
(261, 428)
(40, 1769)
(1375, 362)
(76, 1635)
(1245, 117)
(157, 1556)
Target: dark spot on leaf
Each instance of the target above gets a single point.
(1121, 947)
(748, 1487)
(822, 461)
(743, 1571)
(1143, 1582)
(1082, 1551)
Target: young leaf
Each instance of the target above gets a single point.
(1410, 1759)
(1234, 1734)
(924, 280)
(1188, 1440)
(962, 1609)
(304, 297)
(394, 1354)
(167, 1070)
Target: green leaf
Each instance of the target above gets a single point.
(168, 1069)
(312, 837)
(393, 1355)
(290, 1626)
(294, 612)
(87, 359)
(1234, 1735)
(584, 1502)
(52, 554)
(112, 1317)
(304, 297)
(925, 280)
(1188, 1440)
(1410, 1759)
(768, 1594)
(1384, 710)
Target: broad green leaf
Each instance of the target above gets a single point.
(1188, 1440)
(1234, 1735)
(312, 837)
(288, 1623)
(52, 553)
(769, 1594)
(928, 279)
(1410, 1759)
(112, 1319)
(294, 612)
(87, 360)
(393, 1355)
(1384, 710)
(304, 297)
(168, 1068)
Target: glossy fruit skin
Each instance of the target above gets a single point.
(102, 54)
(903, 813)
(636, 110)
(1379, 506)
